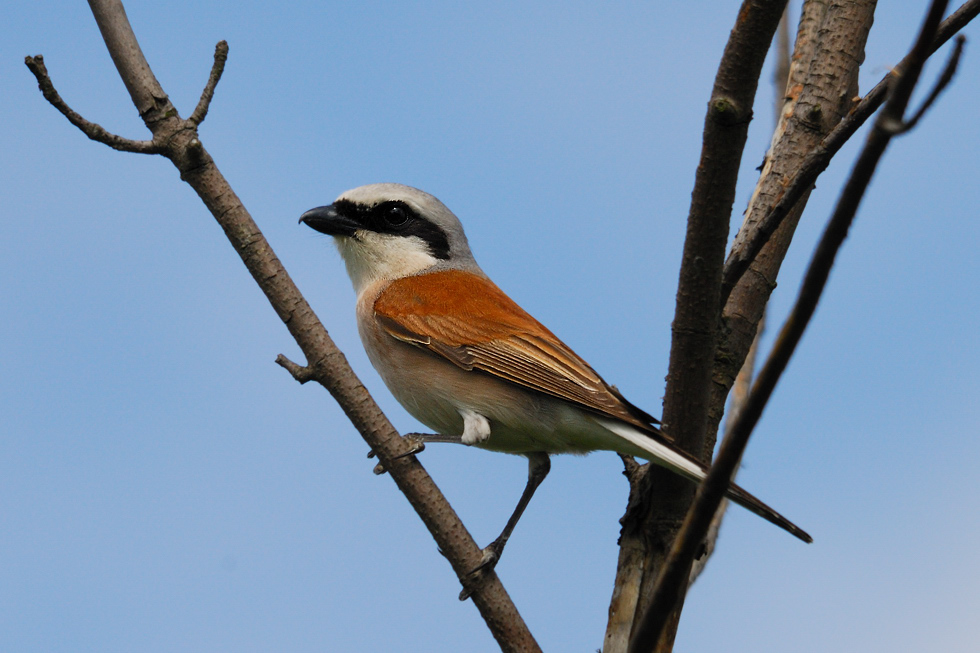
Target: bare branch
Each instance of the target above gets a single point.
(694, 330)
(740, 394)
(743, 382)
(326, 364)
(93, 130)
(300, 373)
(626, 589)
(725, 131)
(148, 96)
(829, 51)
(947, 76)
(819, 158)
(220, 58)
(711, 491)
(630, 467)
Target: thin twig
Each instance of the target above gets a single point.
(93, 130)
(301, 373)
(709, 495)
(819, 158)
(948, 72)
(217, 68)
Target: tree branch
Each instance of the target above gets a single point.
(823, 77)
(712, 490)
(743, 382)
(178, 140)
(93, 130)
(817, 160)
(220, 58)
(725, 131)
(152, 103)
(947, 76)
(694, 330)
(299, 372)
(651, 522)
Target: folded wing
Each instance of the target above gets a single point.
(483, 329)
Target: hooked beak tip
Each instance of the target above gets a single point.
(327, 220)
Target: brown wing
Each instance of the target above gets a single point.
(469, 321)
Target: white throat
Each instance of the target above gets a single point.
(372, 257)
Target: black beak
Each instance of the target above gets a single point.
(327, 220)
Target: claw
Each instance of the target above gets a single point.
(491, 556)
(415, 443)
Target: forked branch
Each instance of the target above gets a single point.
(710, 493)
(819, 158)
(93, 130)
(650, 521)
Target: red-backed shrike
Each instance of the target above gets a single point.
(471, 364)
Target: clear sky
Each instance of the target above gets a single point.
(164, 486)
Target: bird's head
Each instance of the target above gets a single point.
(390, 231)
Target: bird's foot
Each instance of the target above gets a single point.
(415, 443)
(491, 556)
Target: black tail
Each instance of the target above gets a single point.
(749, 502)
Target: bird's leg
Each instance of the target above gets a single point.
(417, 443)
(538, 466)
(476, 428)
(422, 438)
(418, 440)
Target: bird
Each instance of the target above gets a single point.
(469, 363)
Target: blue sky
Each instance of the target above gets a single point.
(164, 486)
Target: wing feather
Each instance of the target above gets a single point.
(470, 322)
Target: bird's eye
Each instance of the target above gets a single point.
(396, 215)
